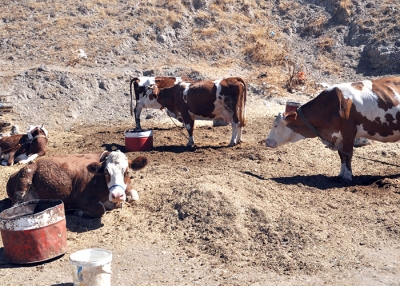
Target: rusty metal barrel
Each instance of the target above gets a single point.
(34, 231)
(292, 105)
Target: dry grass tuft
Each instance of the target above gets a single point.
(325, 44)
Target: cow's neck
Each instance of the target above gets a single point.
(165, 99)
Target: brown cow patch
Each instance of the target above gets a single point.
(357, 85)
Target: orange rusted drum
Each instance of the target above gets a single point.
(291, 105)
(34, 231)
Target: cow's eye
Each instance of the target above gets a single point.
(106, 172)
(126, 173)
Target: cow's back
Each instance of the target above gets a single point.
(69, 178)
(375, 108)
(9, 142)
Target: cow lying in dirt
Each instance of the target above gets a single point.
(339, 114)
(23, 148)
(224, 98)
(83, 181)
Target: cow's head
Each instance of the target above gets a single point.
(149, 100)
(281, 132)
(116, 170)
(140, 86)
(35, 132)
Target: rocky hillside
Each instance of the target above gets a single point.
(268, 43)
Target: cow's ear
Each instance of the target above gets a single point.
(96, 167)
(138, 163)
(104, 156)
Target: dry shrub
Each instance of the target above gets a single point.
(173, 17)
(266, 53)
(325, 44)
(240, 18)
(327, 65)
(203, 48)
(227, 25)
(206, 33)
(297, 76)
(315, 26)
(288, 6)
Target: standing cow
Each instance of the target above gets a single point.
(23, 148)
(140, 87)
(339, 114)
(224, 98)
(84, 182)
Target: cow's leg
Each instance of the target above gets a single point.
(10, 160)
(234, 134)
(23, 159)
(345, 154)
(90, 208)
(137, 111)
(239, 135)
(189, 124)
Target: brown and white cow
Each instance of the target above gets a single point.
(339, 114)
(140, 87)
(83, 181)
(23, 148)
(224, 98)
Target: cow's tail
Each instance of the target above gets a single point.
(130, 89)
(241, 104)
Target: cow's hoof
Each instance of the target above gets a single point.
(344, 180)
(132, 196)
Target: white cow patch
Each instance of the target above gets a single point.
(186, 87)
(339, 141)
(145, 81)
(366, 101)
(219, 104)
(147, 102)
(345, 173)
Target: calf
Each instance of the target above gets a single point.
(140, 87)
(339, 114)
(24, 148)
(84, 182)
(224, 98)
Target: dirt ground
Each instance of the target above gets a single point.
(245, 215)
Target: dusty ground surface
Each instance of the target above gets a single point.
(245, 215)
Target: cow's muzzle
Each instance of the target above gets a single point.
(270, 143)
(117, 196)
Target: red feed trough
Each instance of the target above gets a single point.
(138, 140)
(34, 231)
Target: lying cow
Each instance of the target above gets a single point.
(23, 148)
(84, 182)
(224, 98)
(339, 114)
(140, 87)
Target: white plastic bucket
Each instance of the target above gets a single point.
(91, 267)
